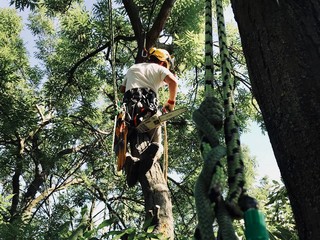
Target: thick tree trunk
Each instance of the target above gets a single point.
(281, 42)
(157, 199)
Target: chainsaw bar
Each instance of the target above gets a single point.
(155, 121)
(169, 115)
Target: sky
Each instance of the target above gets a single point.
(260, 147)
(258, 143)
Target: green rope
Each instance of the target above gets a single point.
(209, 120)
(232, 137)
(210, 204)
(209, 70)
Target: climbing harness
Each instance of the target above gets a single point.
(210, 203)
(141, 103)
(139, 114)
(138, 103)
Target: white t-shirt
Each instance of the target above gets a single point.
(145, 75)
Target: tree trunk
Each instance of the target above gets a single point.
(157, 199)
(281, 42)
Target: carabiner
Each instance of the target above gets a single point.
(144, 53)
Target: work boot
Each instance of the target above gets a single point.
(131, 168)
(143, 141)
(148, 157)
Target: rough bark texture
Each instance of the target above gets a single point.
(281, 42)
(158, 201)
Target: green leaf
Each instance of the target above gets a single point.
(105, 223)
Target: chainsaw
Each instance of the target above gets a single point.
(155, 120)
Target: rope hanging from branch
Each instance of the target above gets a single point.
(210, 203)
(113, 55)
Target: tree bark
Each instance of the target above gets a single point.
(157, 199)
(281, 43)
(16, 179)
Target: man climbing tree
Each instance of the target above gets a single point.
(157, 198)
(154, 187)
(140, 88)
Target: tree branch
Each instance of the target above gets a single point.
(93, 53)
(159, 23)
(34, 185)
(157, 27)
(133, 13)
(15, 178)
(28, 210)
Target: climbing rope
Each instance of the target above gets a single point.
(165, 152)
(144, 51)
(209, 120)
(120, 129)
(113, 57)
(231, 127)
(210, 204)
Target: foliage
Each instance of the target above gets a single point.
(275, 204)
(52, 5)
(280, 213)
(56, 121)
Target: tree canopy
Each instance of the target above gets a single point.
(58, 176)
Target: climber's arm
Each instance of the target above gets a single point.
(172, 82)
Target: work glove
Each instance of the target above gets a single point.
(169, 106)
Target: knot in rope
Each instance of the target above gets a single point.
(209, 201)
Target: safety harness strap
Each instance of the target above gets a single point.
(141, 103)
